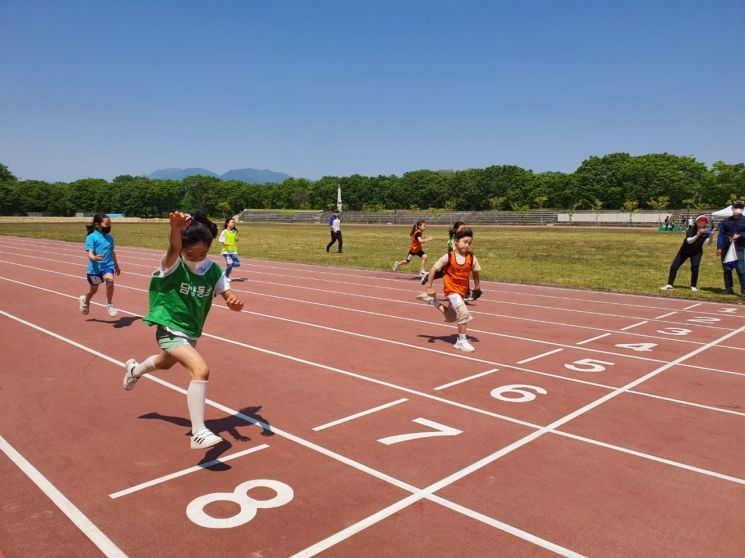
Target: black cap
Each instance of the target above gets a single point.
(738, 203)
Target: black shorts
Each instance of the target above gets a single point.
(411, 254)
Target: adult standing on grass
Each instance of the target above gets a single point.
(693, 249)
(335, 229)
(732, 229)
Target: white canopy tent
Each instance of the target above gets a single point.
(726, 212)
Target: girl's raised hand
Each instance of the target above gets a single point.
(179, 220)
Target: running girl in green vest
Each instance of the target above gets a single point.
(229, 240)
(181, 292)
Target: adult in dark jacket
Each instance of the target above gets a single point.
(732, 229)
(692, 248)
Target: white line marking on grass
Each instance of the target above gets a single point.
(632, 326)
(86, 526)
(665, 315)
(184, 472)
(592, 339)
(358, 415)
(536, 357)
(469, 378)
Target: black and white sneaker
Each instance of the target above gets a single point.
(205, 438)
(129, 381)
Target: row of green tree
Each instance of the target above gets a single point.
(615, 181)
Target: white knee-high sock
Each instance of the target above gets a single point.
(196, 396)
(147, 365)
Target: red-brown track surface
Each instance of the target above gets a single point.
(585, 424)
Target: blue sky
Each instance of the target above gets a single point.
(313, 88)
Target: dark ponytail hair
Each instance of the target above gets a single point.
(455, 226)
(464, 233)
(416, 226)
(228, 220)
(201, 229)
(97, 220)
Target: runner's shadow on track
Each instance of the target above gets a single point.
(246, 416)
(451, 339)
(124, 321)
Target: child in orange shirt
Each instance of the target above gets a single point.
(416, 247)
(457, 267)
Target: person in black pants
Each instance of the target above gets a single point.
(692, 248)
(732, 229)
(335, 229)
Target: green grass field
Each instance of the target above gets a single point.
(620, 260)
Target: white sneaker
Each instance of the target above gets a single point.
(204, 439)
(424, 279)
(694, 289)
(395, 266)
(667, 288)
(425, 297)
(463, 345)
(129, 378)
(422, 274)
(111, 310)
(84, 307)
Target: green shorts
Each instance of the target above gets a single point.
(168, 341)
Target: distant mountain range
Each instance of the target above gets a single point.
(253, 176)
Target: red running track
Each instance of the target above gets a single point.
(585, 424)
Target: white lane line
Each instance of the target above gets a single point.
(632, 326)
(380, 276)
(592, 339)
(665, 315)
(693, 306)
(348, 532)
(184, 472)
(536, 357)
(389, 341)
(416, 493)
(635, 453)
(86, 526)
(447, 481)
(456, 382)
(274, 283)
(360, 414)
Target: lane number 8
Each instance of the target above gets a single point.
(249, 506)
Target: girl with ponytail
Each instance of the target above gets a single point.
(181, 293)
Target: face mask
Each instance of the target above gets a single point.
(195, 267)
(105, 230)
(737, 211)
